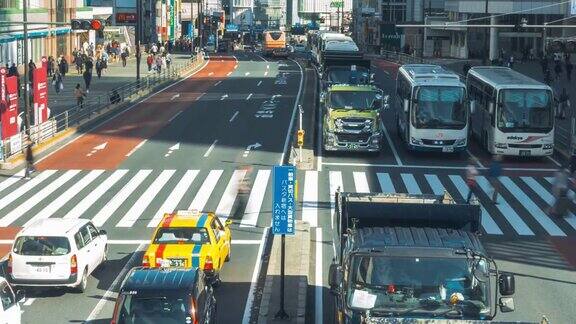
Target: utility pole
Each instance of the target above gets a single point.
(201, 23)
(138, 35)
(486, 46)
(26, 70)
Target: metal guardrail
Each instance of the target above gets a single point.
(92, 108)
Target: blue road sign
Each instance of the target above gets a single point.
(232, 27)
(284, 202)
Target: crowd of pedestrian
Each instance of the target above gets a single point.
(158, 57)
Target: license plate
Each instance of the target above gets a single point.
(448, 149)
(44, 269)
(524, 153)
(176, 262)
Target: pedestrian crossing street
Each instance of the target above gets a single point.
(139, 198)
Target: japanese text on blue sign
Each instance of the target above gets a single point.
(283, 204)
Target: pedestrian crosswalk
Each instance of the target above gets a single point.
(139, 198)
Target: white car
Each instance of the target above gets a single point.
(10, 308)
(56, 252)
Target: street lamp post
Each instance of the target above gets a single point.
(26, 70)
(486, 49)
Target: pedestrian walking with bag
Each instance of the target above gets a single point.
(29, 160)
(149, 61)
(494, 173)
(79, 95)
(99, 68)
(158, 64)
(471, 174)
(87, 80)
(63, 66)
(168, 60)
(560, 191)
(57, 81)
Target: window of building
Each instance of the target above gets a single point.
(9, 4)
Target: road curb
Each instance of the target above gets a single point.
(296, 278)
(18, 160)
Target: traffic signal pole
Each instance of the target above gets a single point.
(137, 36)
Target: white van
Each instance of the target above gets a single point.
(56, 252)
(10, 309)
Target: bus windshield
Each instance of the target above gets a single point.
(439, 107)
(358, 100)
(525, 110)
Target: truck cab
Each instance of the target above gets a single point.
(413, 257)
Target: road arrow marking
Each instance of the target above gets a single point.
(267, 67)
(266, 73)
(247, 73)
(259, 83)
(224, 96)
(175, 96)
(249, 96)
(211, 73)
(234, 116)
(250, 148)
(228, 74)
(172, 149)
(97, 148)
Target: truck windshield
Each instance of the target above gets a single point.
(358, 100)
(439, 107)
(411, 285)
(163, 308)
(521, 110)
(342, 75)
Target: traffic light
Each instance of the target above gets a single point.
(88, 24)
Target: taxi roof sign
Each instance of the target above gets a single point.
(184, 212)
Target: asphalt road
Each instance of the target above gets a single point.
(186, 147)
(191, 144)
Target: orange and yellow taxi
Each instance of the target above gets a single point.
(190, 239)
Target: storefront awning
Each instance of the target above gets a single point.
(38, 33)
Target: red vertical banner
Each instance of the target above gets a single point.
(40, 86)
(9, 110)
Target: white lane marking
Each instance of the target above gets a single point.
(91, 130)
(229, 73)
(62, 199)
(319, 286)
(29, 301)
(554, 161)
(505, 209)
(95, 194)
(255, 274)
(571, 219)
(335, 179)
(206, 189)
(200, 96)
(548, 197)
(391, 144)
(175, 96)
(110, 208)
(266, 73)
(267, 66)
(410, 166)
(226, 204)
(249, 96)
(217, 83)
(210, 148)
(293, 117)
(361, 182)
(477, 160)
(488, 222)
(224, 96)
(236, 66)
(174, 117)
(174, 198)
(114, 286)
(143, 142)
(145, 199)
(538, 214)
(310, 199)
(259, 83)
(247, 74)
(255, 200)
(12, 180)
(435, 184)
(37, 198)
(17, 193)
(234, 116)
(385, 182)
(411, 184)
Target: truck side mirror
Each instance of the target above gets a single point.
(334, 276)
(506, 284)
(506, 304)
(472, 106)
(323, 97)
(20, 295)
(406, 105)
(372, 80)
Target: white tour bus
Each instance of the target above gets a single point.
(511, 114)
(432, 113)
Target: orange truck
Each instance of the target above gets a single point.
(274, 43)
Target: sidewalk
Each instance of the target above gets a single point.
(114, 77)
